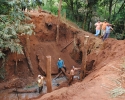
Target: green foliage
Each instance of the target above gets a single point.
(82, 12)
(117, 92)
(12, 23)
(51, 5)
(2, 55)
(4, 7)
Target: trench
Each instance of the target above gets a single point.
(75, 55)
(7, 94)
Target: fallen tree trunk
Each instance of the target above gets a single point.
(24, 91)
(29, 61)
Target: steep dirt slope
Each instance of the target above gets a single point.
(40, 45)
(108, 56)
(106, 76)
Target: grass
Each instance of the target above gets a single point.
(118, 91)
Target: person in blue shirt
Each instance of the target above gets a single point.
(61, 68)
(107, 32)
(60, 64)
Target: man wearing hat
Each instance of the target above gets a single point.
(40, 82)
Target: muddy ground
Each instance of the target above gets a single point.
(103, 75)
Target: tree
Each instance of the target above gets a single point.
(58, 22)
(12, 23)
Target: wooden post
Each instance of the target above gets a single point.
(58, 22)
(84, 58)
(48, 71)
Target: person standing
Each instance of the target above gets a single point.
(40, 82)
(72, 73)
(61, 68)
(103, 28)
(107, 32)
(98, 27)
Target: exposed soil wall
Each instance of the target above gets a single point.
(101, 56)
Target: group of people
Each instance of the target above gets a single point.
(61, 70)
(104, 28)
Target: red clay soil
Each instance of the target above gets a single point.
(106, 76)
(103, 74)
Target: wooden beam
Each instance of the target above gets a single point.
(84, 58)
(49, 84)
(66, 45)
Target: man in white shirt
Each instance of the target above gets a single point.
(40, 82)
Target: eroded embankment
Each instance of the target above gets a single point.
(43, 44)
(104, 77)
(39, 46)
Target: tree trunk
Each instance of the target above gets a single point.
(48, 71)
(85, 21)
(110, 9)
(84, 58)
(58, 22)
(28, 61)
(24, 91)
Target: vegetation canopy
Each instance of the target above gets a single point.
(86, 12)
(12, 23)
